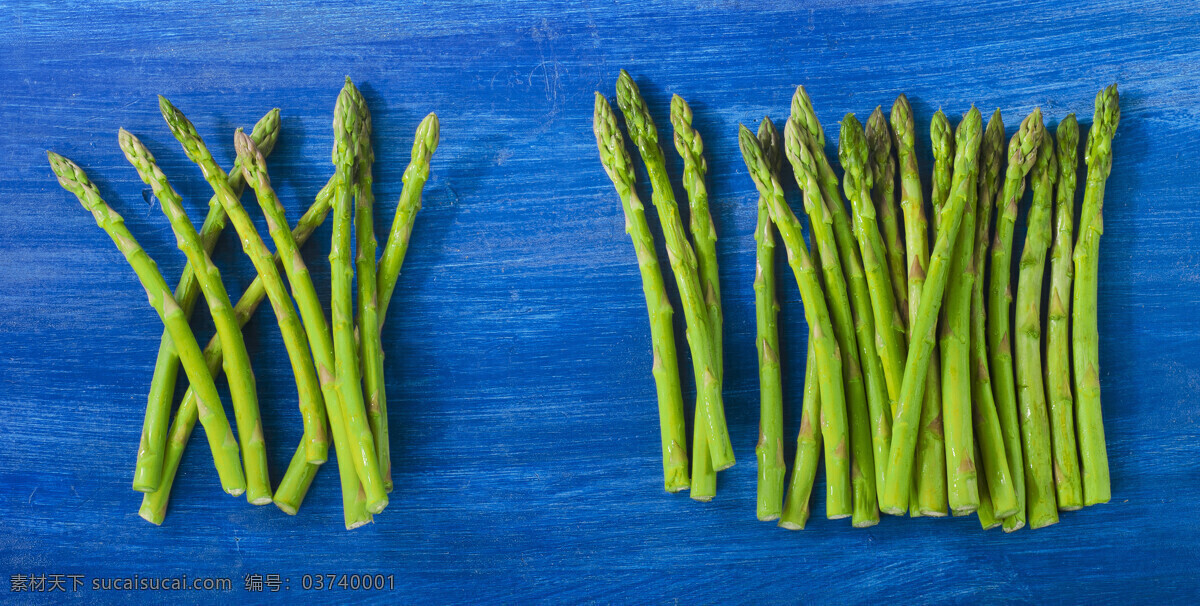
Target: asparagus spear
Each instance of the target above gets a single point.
(1022, 150)
(1041, 507)
(816, 312)
(771, 464)
(691, 148)
(904, 430)
(929, 480)
(684, 265)
(209, 410)
(415, 175)
(1067, 486)
(862, 462)
(883, 192)
(242, 388)
(615, 158)
(808, 447)
(989, 439)
(154, 504)
(312, 408)
(962, 489)
(930, 477)
(148, 469)
(347, 130)
(370, 347)
(1085, 337)
(852, 149)
(254, 166)
(878, 400)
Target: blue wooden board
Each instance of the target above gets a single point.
(521, 404)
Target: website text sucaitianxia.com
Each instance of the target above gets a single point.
(254, 583)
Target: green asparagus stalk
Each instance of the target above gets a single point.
(1067, 485)
(857, 183)
(154, 505)
(1085, 336)
(312, 407)
(242, 387)
(852, 150)
(904, 430)
(930, 477)
(987, 511)
(370, 346)
(684, 265)
(209, 410)
(883, 192)
(1022, 150)
(862, 461)
(989, 438)
(771, 465)
(615, 158)
(415, 176)
(962, 488)
(347, 131)
(148, 469)
(929, 480)
(878, 400)
(796, 507)
(816, 312)
(704, 238)
(1040, 504)
(254, 166)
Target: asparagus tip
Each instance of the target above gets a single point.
(242, 142)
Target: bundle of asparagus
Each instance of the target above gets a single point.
(695, 271)
(961, 405)
(336, 404)
(910, 386)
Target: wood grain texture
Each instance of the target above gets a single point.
(522, 410)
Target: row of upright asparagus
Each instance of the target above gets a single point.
(335, 403)
(957, 400)
(920, 398)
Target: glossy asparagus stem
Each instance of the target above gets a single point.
(1085, 336)
(1040, 503)
(1022, 151)
(771, 465)
(989, 438)
(962, 489)
(1068, 485)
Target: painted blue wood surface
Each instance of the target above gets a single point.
(521, 404)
